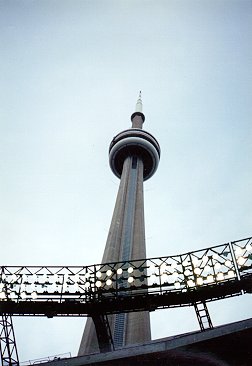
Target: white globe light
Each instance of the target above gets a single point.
(190, 283)
(228, 263)
(34, 295)
(231, 274)
(200, 281)
(210, 278)
(130, 279)
(187, 272)
(241, 261)
(197, 271)
(238, 251)
(220, 276)
(108, 282)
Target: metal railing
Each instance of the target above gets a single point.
(46, 359)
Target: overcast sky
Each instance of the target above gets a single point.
(70, 73)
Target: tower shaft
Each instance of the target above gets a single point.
(126, 241)
(126, 238)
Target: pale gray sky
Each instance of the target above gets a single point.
(70, 76)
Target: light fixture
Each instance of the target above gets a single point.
(200, 281)
(98, 274)
(228, 263)
(108, 282)
(87, 284)
(23, 295)
(197, 270)
(187, 272)
(109, 272)
(98, 283)
(241, 261)
(190, 283)
(238, 252)
(119, 271)
(34, 295)
(210, 278)
(220, 276)
(130, 279)
(130, 270)
(177, 285)
(2, 295)
(230, 274)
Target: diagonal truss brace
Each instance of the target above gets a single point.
(8, 348)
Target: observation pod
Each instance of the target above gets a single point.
(133, 157)
(134, 142)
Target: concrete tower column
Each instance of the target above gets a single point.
(134, 156)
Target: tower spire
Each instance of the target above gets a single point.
(138, 117)
(139, 104)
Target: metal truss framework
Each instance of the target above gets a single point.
(190, 279)
(8, 348)
(181, 280)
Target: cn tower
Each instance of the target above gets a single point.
(133, 157)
